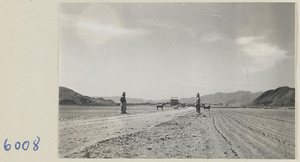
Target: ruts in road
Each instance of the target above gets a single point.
(219, 133)
(77, 134)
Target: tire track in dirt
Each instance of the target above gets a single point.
(264, 126)
(280, 124)
(254, 139)
(277, 143)
(257, 141)
(269, 131)
(265, 117)
(275, 132)
(225, 138)
(239, 141)
(77, 135)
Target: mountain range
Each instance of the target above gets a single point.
(282, 96)
(238, 98)
(129, 100)
(230, 99)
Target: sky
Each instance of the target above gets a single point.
(164, 50)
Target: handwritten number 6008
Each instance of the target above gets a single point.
(25, 145)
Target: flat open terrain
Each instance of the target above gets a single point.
(147, 133)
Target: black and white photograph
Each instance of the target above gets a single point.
(176, 80)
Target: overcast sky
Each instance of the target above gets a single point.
(163, 50)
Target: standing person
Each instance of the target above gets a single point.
(123, 103)
(197, 103)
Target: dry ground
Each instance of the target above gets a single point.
(220, 133)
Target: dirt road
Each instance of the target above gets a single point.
(220, 133)
(77, 134)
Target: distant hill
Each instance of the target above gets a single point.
(129, 100)
(282, 96)
(238, 98)
(70, 97)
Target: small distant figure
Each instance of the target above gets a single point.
(183, 105)
(176, 107)
(207, 108)
(123, 103)
(197, 103)
(160, 106)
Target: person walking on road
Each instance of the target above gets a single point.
(197, 103)
(123, 103)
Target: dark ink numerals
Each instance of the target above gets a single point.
(25, 145)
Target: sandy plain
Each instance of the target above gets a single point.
(227, 133)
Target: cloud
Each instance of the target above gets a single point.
(260, 54)
(108, 29)
(215, 15)
(156, 23)
(248, 40)
(97, 24)
(93, 32)
(211, 37)
(190, 32)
